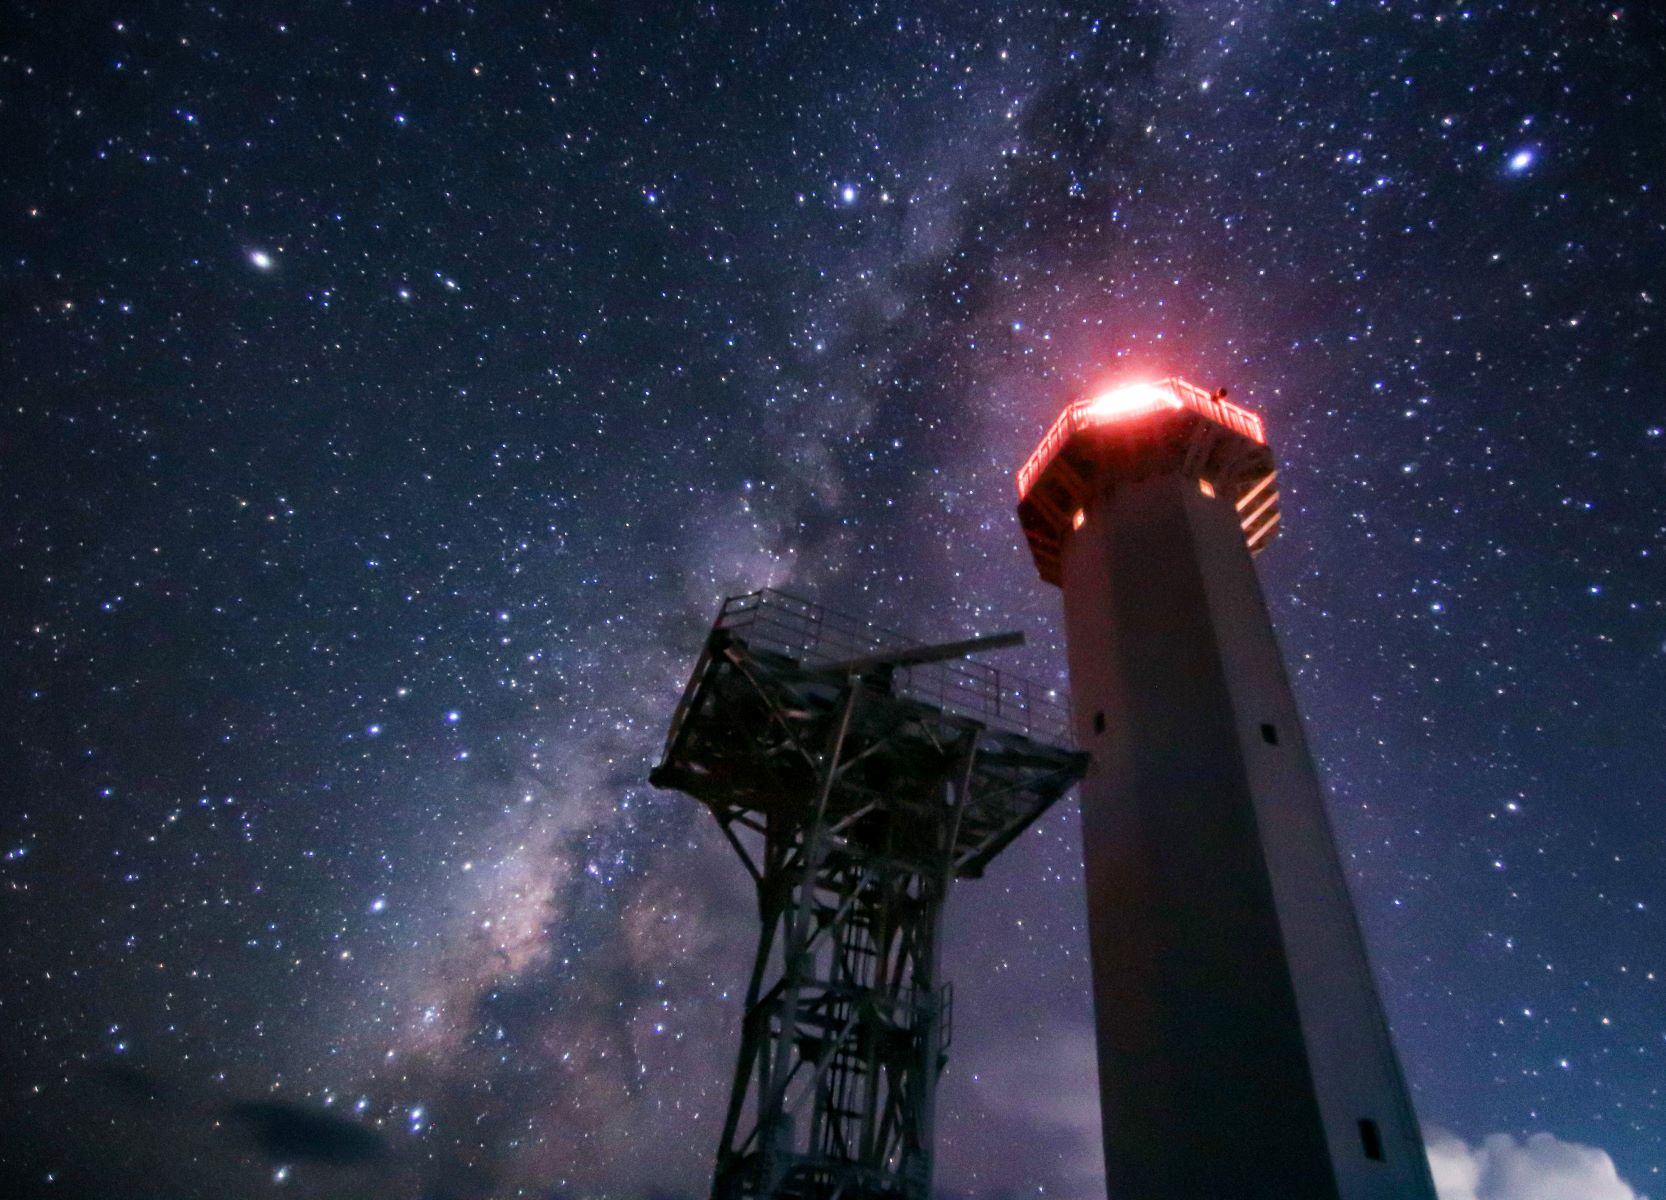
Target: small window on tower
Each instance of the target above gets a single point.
(1371, 1138)
(1077, 521)
(1269, 734)
(1099, 722)
(1207, 488)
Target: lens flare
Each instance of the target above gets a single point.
(1130, 401)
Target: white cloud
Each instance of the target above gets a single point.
(1543, 1167)
(1049, 1089)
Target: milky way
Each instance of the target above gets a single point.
(392, 394)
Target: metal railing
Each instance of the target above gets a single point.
(816, 635)
(1135, 400)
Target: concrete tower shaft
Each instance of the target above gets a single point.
(1242, 1048)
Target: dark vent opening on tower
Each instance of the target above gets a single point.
(1371, 1138)
(1099, 722)
(1269, 734)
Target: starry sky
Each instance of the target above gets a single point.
(392, 392)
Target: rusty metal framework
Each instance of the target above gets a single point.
(856, 774)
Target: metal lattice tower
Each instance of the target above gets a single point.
(856, 775)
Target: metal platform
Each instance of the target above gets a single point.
(856, 774)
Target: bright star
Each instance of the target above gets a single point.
(261, 260)
(848, 194)
(1521, 160)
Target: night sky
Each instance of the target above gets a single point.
(392, 392)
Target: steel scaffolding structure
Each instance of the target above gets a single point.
(856, 775)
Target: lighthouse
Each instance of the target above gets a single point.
(1242, 1047)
